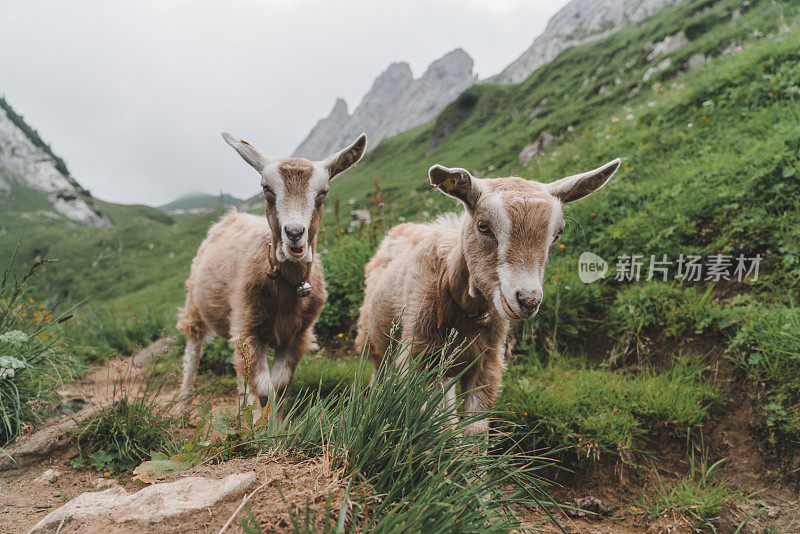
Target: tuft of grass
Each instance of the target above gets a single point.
(699, 498)
(395, 438)
(130, 432)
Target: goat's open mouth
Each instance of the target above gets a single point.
(297, 250)
(507, 308)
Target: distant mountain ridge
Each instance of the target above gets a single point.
(201, 203)
(29, 168)
(578, 22)
(396, 102)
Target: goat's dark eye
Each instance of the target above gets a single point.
(555, 237)
(321, 197)
(268, 192)
(483, 227)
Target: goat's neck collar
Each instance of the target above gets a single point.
(294, 274)
(454, 283)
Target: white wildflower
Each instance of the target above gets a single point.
(9, 365)
(14, 337)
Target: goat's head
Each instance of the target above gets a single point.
(510, 228)
(294, 190)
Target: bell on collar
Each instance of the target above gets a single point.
(304, 289)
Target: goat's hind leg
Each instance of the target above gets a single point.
(195, 330)
(191, 360)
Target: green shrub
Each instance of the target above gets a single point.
(33, 358)
(662, 309)
(344, 260)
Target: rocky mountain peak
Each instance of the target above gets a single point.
(30, 164)
(395, 102)
(578, 22)
(455, 63)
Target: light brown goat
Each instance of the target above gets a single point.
(472, 274)
(257, 281)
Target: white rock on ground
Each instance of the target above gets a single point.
(150, 505)
(104, 483)
(48, 477)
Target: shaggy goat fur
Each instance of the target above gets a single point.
(470, 274)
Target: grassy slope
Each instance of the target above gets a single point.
(711, 166)
(726, 184)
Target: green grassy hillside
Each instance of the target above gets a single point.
(711, 166)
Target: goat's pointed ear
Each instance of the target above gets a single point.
(246, 150)
(578, 186)
(457, 183)
(341, 161)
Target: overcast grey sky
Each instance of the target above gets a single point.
(133, 94)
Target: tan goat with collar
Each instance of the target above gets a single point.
(257, 281)
(472, 273)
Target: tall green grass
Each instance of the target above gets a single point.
(408, 459)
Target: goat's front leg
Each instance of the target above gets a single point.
(286, 360)
(481, 388)
(449, 401)
(252, 374)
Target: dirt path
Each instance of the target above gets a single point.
(24, 500)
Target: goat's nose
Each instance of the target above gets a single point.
(528, 300)
(294, 231)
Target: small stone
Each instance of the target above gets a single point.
(48, 477)
(105, 483)
(773, 512)
(588, 507)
